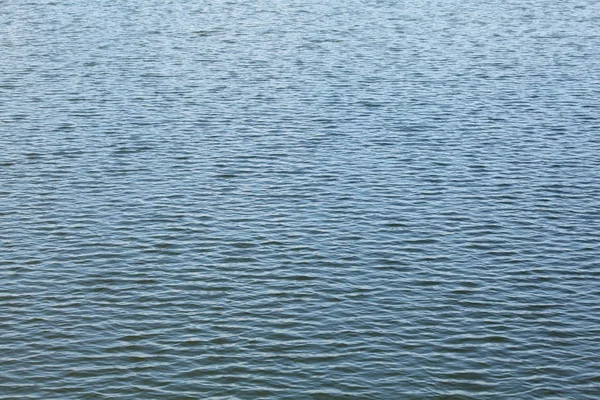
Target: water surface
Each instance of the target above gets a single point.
(299, 200)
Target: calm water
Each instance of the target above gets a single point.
(300, 199)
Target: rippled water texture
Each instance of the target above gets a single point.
(299, 199)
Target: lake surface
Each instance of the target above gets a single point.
(300, 199)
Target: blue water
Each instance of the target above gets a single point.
(299, 199)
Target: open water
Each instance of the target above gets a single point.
(300, 199)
